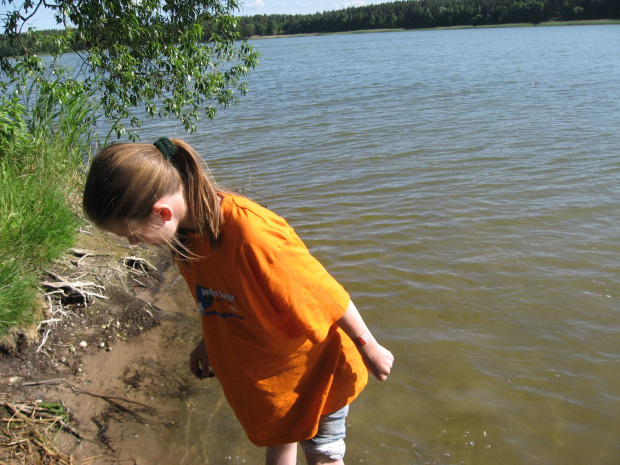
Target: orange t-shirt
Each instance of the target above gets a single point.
(268, 312)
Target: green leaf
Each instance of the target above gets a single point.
(147, 58)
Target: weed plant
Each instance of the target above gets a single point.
(45, 131)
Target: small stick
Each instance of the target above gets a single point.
(83, 257)
(110, 399)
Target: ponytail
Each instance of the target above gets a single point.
(201, 196)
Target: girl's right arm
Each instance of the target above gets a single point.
(199, 362)
(377, 358)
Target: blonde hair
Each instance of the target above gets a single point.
(125, 180)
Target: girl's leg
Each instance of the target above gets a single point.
(328, 446)
(286, 454)
(316, 459)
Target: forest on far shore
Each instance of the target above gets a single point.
(421, 14)
(409, 14)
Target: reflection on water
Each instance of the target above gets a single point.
(463, 186)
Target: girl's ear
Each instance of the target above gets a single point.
(162, 210)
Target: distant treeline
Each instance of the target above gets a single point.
(39, 42)
(410, 14)
(421, 14)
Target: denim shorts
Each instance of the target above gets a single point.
(329, 439)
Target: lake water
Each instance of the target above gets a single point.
(464, 186)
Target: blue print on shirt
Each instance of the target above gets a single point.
(206, 297)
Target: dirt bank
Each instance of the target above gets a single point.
(118, 325)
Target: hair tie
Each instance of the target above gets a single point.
(166, 147)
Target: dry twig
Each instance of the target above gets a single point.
(85, 289)
(137, 263)
(26, 436)
(112, 400)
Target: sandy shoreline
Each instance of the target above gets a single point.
(119, 366)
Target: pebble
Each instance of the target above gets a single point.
(83, 344)
(102, 345)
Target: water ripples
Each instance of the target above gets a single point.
(463, 186)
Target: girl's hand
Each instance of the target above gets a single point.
(199, 362)
(377, 359)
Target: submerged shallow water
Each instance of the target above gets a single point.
(463, 186)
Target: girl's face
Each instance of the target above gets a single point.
(149, 231)
(160, 227)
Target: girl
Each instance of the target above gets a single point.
(288, 346)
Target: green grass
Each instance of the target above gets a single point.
(35, 218)
(18, 292)
(41, 151)
(37, 224)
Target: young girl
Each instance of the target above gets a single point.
(285, 341)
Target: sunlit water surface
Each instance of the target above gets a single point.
(464, 186)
